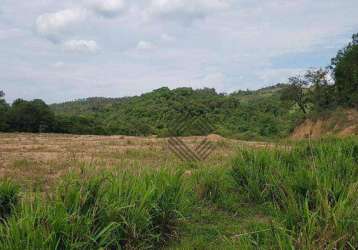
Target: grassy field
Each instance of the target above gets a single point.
(89, 192)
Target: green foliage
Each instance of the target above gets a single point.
(30, 116)
(314, 92)
(311, 187)
(252, 114)
(244, 114)
(345, 68)
(295, 92)
(4, 108)
(78, 125)
(99, 212)
(209, 185)
(9, 196)
(321, 93)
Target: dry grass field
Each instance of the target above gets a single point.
(37, 161)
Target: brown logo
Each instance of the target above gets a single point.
(198, 126)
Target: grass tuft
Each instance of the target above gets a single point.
(9, 197)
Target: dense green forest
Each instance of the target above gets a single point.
(246, 114)
(265, 113)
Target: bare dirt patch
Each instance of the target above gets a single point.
(341, 123)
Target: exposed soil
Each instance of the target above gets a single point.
(340, 123)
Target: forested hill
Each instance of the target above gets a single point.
(92, 105)
(86, 106)
(248, 114)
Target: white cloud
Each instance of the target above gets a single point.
(106, 8)
(51, 25)
(167, 38)
(81, 46)
(186, 10)
(145, 45)
(58, 64)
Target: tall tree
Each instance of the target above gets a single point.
(34, 116)
(345, 69)
(322, 94)
(4, 108)
(295, 92)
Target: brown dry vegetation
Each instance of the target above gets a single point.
(341, 123)
(37, 161)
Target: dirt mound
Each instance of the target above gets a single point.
(341, 123)
(215, 138)
(308, 129)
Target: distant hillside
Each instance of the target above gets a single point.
(92, 105)
(244, 114)
(88, 105)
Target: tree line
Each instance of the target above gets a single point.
(37, 117)
(245, 114)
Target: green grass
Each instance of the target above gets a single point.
(299, 197)
(311, 189)
(99, 212)
(9, 197)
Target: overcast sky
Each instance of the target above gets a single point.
(60, 50)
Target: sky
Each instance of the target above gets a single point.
(70, 49)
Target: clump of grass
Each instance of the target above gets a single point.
(312, 190)
(211, 184)
(9, 197)
(147, 208)
(104, 211)
(216, 186)
(263, 236)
